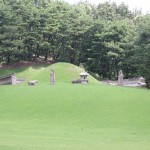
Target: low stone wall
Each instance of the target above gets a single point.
(133, 82)
(8, 79)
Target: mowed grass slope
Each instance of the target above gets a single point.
(73, 117)
(64, 73)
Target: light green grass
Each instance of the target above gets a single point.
(64, 73)
(73, 117)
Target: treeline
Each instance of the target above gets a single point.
(104, 38)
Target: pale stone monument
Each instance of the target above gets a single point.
(120, 78)
(52, 77)
(83, 77)
(141, 82)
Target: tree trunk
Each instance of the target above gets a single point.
(8, 59)
(46, 53)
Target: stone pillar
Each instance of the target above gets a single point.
(13, 79)
(52, 77)
(120, 78)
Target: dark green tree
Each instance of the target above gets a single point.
(142, 49)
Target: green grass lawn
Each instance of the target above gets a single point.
(72, 117)
(64, 73)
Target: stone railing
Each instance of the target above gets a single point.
(134, 82)
(8, 79)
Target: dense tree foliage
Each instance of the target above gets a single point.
(141, 56)
(104, 38)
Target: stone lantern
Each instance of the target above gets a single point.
(83, 77)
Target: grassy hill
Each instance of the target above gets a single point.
(72, 117)
(64, 73)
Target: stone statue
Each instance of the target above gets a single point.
(120, 78)
(52, 77)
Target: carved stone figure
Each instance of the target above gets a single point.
(120, 78)
(52, 77)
